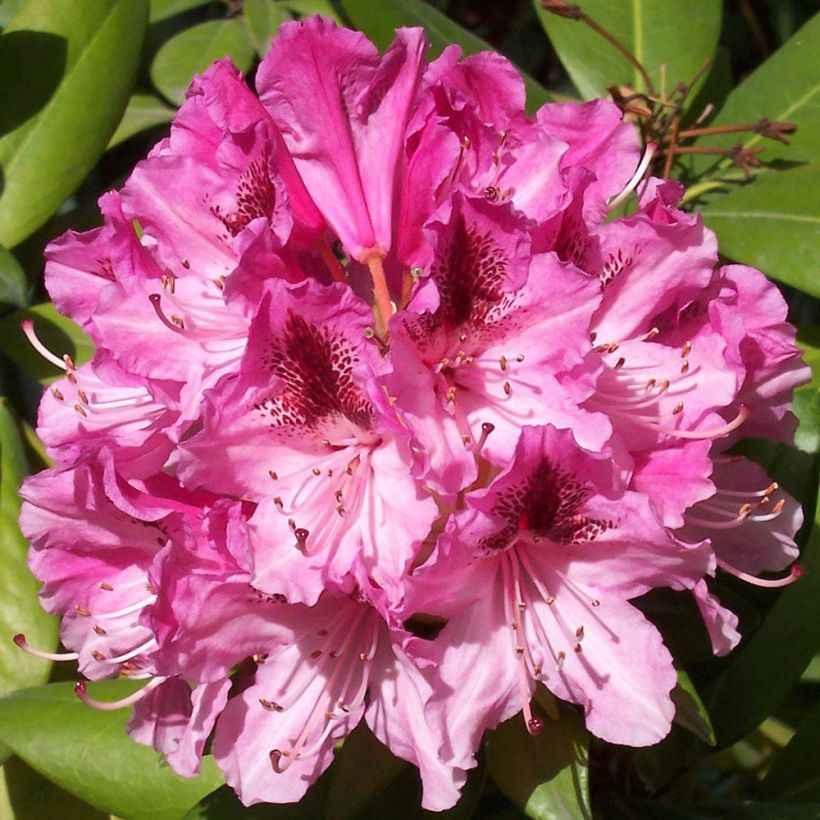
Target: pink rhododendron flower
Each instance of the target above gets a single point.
(370, 351)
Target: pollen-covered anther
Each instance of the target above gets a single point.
(507, 388)
(273, 475)
(559, 660)
(678, 409)
(651, 334)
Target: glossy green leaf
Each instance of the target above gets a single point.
(88, 753)
(8, 9)
(163, 9)
(362, 768)
(262, 20)
(27, 795)
(144, 111)
(794, 776)
(680, 35)
(304, 8)
(59, 334)
(78, 61)
(785, 87)
(773, 223)
(13, 284)
(380, 20)
(690, 711)
(194, 49)
(20, 610)
(544, 775)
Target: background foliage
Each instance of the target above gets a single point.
(87, 86)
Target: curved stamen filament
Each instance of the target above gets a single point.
(126, 656)
(27, 326)
(716, 432)
(176, 327)
(796, 572)
(108, 616)
(20, 640)
(81, 691)
(651, 148)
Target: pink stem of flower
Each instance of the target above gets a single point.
(381, 294)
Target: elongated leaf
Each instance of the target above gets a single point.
(144, 111)
(786, 87)
(380, 20)
(690, 711)
(544, 775)
(794, 776)
(13, 284)
(304, 8)
(773, 223)
(193, 50)
(163, 9)
(58, 333)
(88, 753)
(262, 21)
(75, 62)
(20, 610)
(680, 35)
(27, 795)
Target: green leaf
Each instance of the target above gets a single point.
(88, 753)
(193, 50)
(163, 9)
(544, 775)
(13, 284)
(794, 776)
(27, 795)
(57, 333)
(20, 610)
(144, 111)
(262, 20)
(75, 62)
(304, 8)
(690, 711)
(362, 769)
(785, 87)
(680, 35)
(772, 223)
(379, 21)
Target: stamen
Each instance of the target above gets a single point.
(717, 432)
(108, 616)
(486, 429)
(27, 326)
(20, 640)
(651, 148)
(81, 691)
(174, 323)
(796, 572)
(149, 644)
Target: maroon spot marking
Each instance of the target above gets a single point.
(469, 275)
(255, 197)
(546, 505)
(316, 366)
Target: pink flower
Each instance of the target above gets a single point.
(368, 348)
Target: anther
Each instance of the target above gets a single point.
(535, 725)
(678, 408)
(651, 334)
(685, 350)
(277, 500)
(81, 410)
(579, 633)
(273, 475)
(99, 630)
(301, 538)
(684, 368)
(507, 388)
(620, 363)
(105, 586)
(81, 610)
(57, 394)
(185, 264)
(503, 363)
(560, 658)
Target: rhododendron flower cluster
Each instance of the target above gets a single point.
(371, 353)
